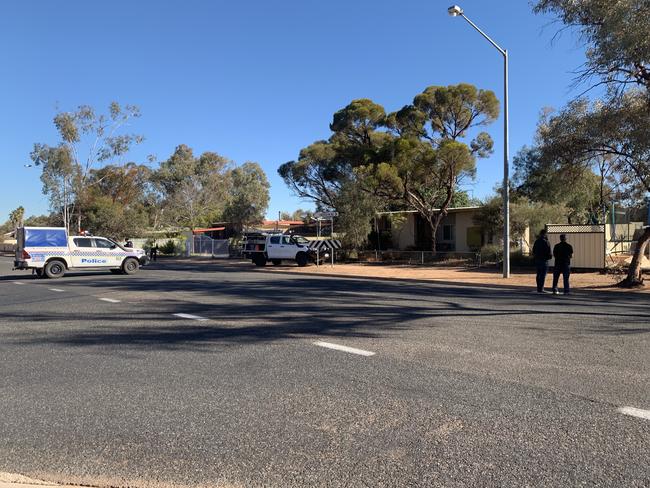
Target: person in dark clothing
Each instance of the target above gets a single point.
(562, 252)
(128, 243)
(153, 252)
(541, 255)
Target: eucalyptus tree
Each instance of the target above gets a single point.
(87, 140)
(617, 45)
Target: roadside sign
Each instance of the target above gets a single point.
(326, 215)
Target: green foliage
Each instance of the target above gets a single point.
(169, 248)
(299, 214)
(356, 211)
(115, 202)
(491, 253)
(430, 159)
(317, 174)
(462, 199)
(194, 190)
(88, 139)
(523, 215)
(51, 220)
(412, 158)
(615, 34)
(249, 196)
(16, 217)
(544, 178)
(616, 130)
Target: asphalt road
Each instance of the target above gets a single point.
(466, 387)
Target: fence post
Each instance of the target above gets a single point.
(422, 257)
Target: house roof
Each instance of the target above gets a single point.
(449, 210)
(282, 222)
(198, 231)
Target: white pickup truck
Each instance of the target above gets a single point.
(261, 248)
(50, 252)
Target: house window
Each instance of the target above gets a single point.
(447, 232)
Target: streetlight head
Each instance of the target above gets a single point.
(455, 11)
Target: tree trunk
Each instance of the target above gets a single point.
(434, 223)
(634, 277)
(434, 228)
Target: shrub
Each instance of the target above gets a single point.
(520, 259)
(169, 247)
(491, 253)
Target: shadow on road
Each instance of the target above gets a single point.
(249, 307)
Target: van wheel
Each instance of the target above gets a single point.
(259, 260)
(277, 262)
(301, 259)
(54, 269)
(130, 266)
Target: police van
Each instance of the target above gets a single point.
(50, 252)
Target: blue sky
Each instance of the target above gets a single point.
(257, 80)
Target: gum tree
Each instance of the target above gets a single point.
(87, 140)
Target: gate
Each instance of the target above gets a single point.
(218, 248)
(588, 242)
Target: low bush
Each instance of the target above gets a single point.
(169, 247)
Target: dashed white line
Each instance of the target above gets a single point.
(635, 412)
(338, 347)
(18, 283)
(55, 289)
(110, 300)
(189, 316)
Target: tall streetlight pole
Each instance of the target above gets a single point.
(456, 11)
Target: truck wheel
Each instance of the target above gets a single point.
(260, 260)
(54, 269)
(277, 262)
(130, 266)
(301, 259)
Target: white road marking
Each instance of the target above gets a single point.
(18, 283)
(338, 347)
(189, 316)
(110, 300)
(55, 289)
(635, 412)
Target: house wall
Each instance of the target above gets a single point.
(464, 221)
(404, 235)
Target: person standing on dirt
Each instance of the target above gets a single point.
(562, 252)
(541, 255)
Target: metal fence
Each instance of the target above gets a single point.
(205, 245)
(450, 259)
